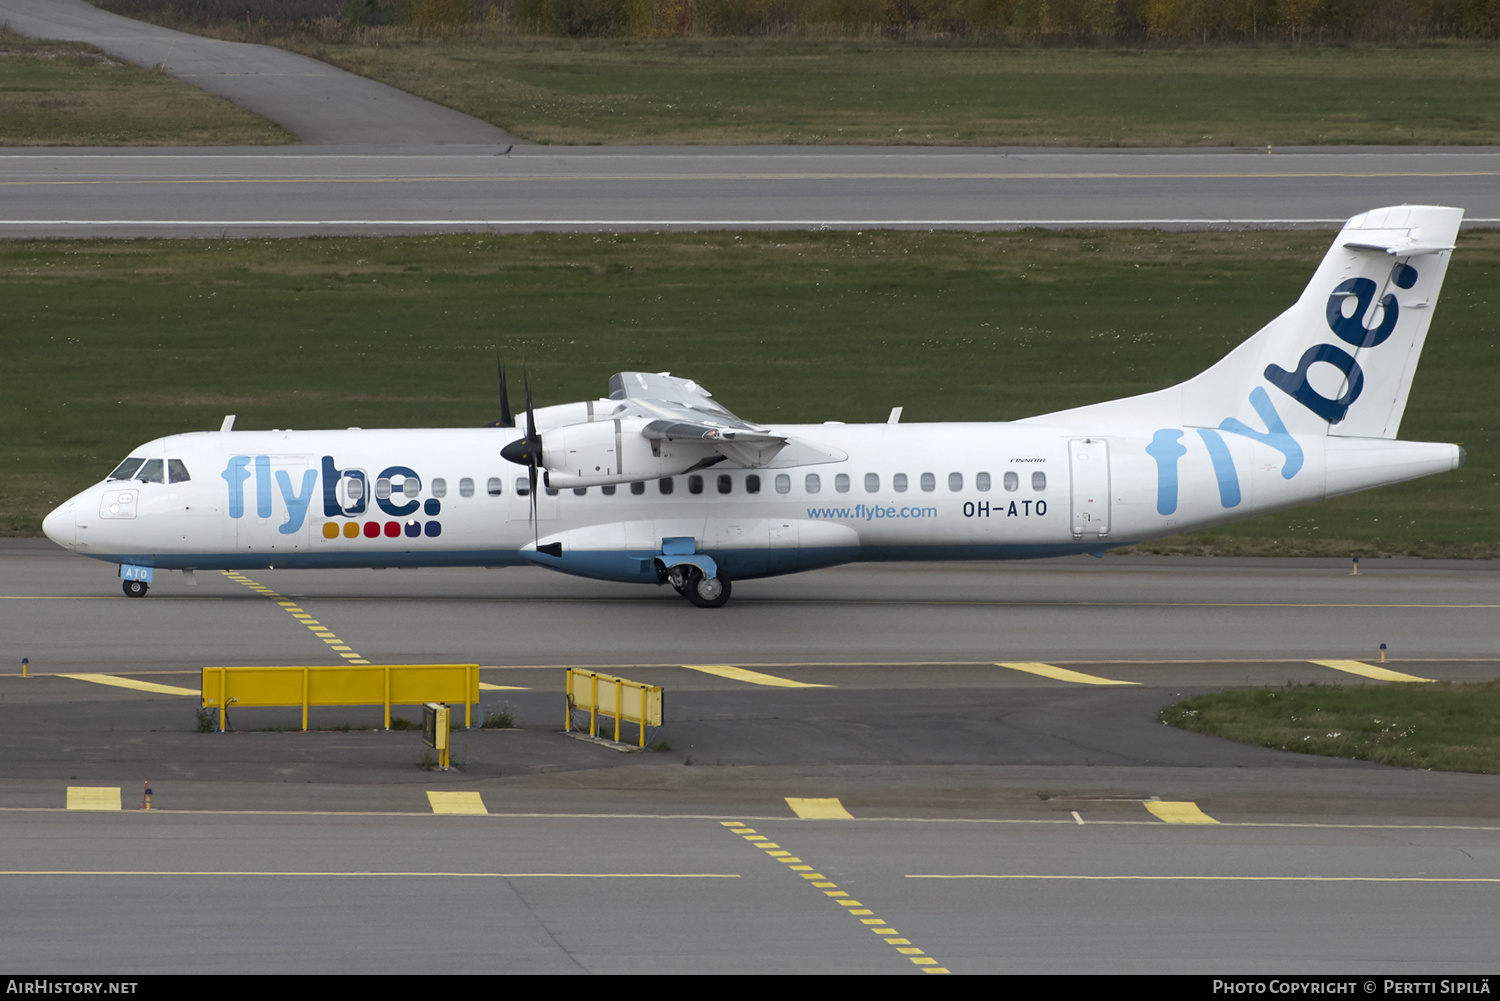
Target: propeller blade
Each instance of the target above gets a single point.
(507, 420)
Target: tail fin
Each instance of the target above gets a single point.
(1339, 362)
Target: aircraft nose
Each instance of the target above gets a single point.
(61, 526)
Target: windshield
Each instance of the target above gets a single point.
(126, 469)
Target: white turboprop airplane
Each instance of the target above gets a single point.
(659, 484)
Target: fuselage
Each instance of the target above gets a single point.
(445, 497)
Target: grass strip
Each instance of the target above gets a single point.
(1441, 726)
(750, 91)
(112, 343)
(71, 94)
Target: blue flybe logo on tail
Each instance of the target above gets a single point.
(1351, 330)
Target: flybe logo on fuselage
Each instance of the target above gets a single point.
(346, 492)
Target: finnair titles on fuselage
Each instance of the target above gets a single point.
(660, 484)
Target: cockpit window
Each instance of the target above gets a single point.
(126, 469)
(151, 472)
(177, 471)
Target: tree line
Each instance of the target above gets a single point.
(1128, 22)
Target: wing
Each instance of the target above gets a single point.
(659, 425)
(684, 412)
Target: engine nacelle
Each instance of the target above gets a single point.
(614, 451)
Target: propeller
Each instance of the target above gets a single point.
(527, 451)
(506, 419)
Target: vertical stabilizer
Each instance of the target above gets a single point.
(1339, 362)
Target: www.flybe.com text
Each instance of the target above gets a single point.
(865, 512)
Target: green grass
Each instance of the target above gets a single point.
(1441, 726)
(71, 94)
(111, 343)
(795, 91)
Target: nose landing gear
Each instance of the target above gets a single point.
(134, 588)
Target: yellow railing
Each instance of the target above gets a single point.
(604, 695)
(341, 685)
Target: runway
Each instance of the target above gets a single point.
(993, 818)
(435, 189)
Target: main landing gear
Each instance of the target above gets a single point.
(705, 592)
(134, 588)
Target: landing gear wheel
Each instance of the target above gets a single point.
(134, 588)
(705, 592)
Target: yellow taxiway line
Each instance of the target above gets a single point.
(139, 686)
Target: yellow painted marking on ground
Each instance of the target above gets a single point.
(132, 683)
(1368, 670)
(485, 686)
(818, 809)
(313, 625)
(456, 802)
(753, 677)
(841, 897)
(93, 797)
(1178, 812)
(1060, 673)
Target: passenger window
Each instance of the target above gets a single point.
(126, 469)
(872, 483)
(1039, 481)
(664, 485)
(638, 487)
(695, 485)
(607, 490)
(176, 471)
(523, 486)
(841, 483)
(783, 483)
(955, 482)
(1012, 482)
(929, 483)
(752, 484)
(550, 491)
(898, 483)
(726, 484)
(580, 491)
(466, 487)
(411, 486)
(383, 488)
(493, 486)
(439, 487)
(812, 483)
(982, 482)
(151, 472)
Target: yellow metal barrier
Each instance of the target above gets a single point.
(602, 694)
(341, 685)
